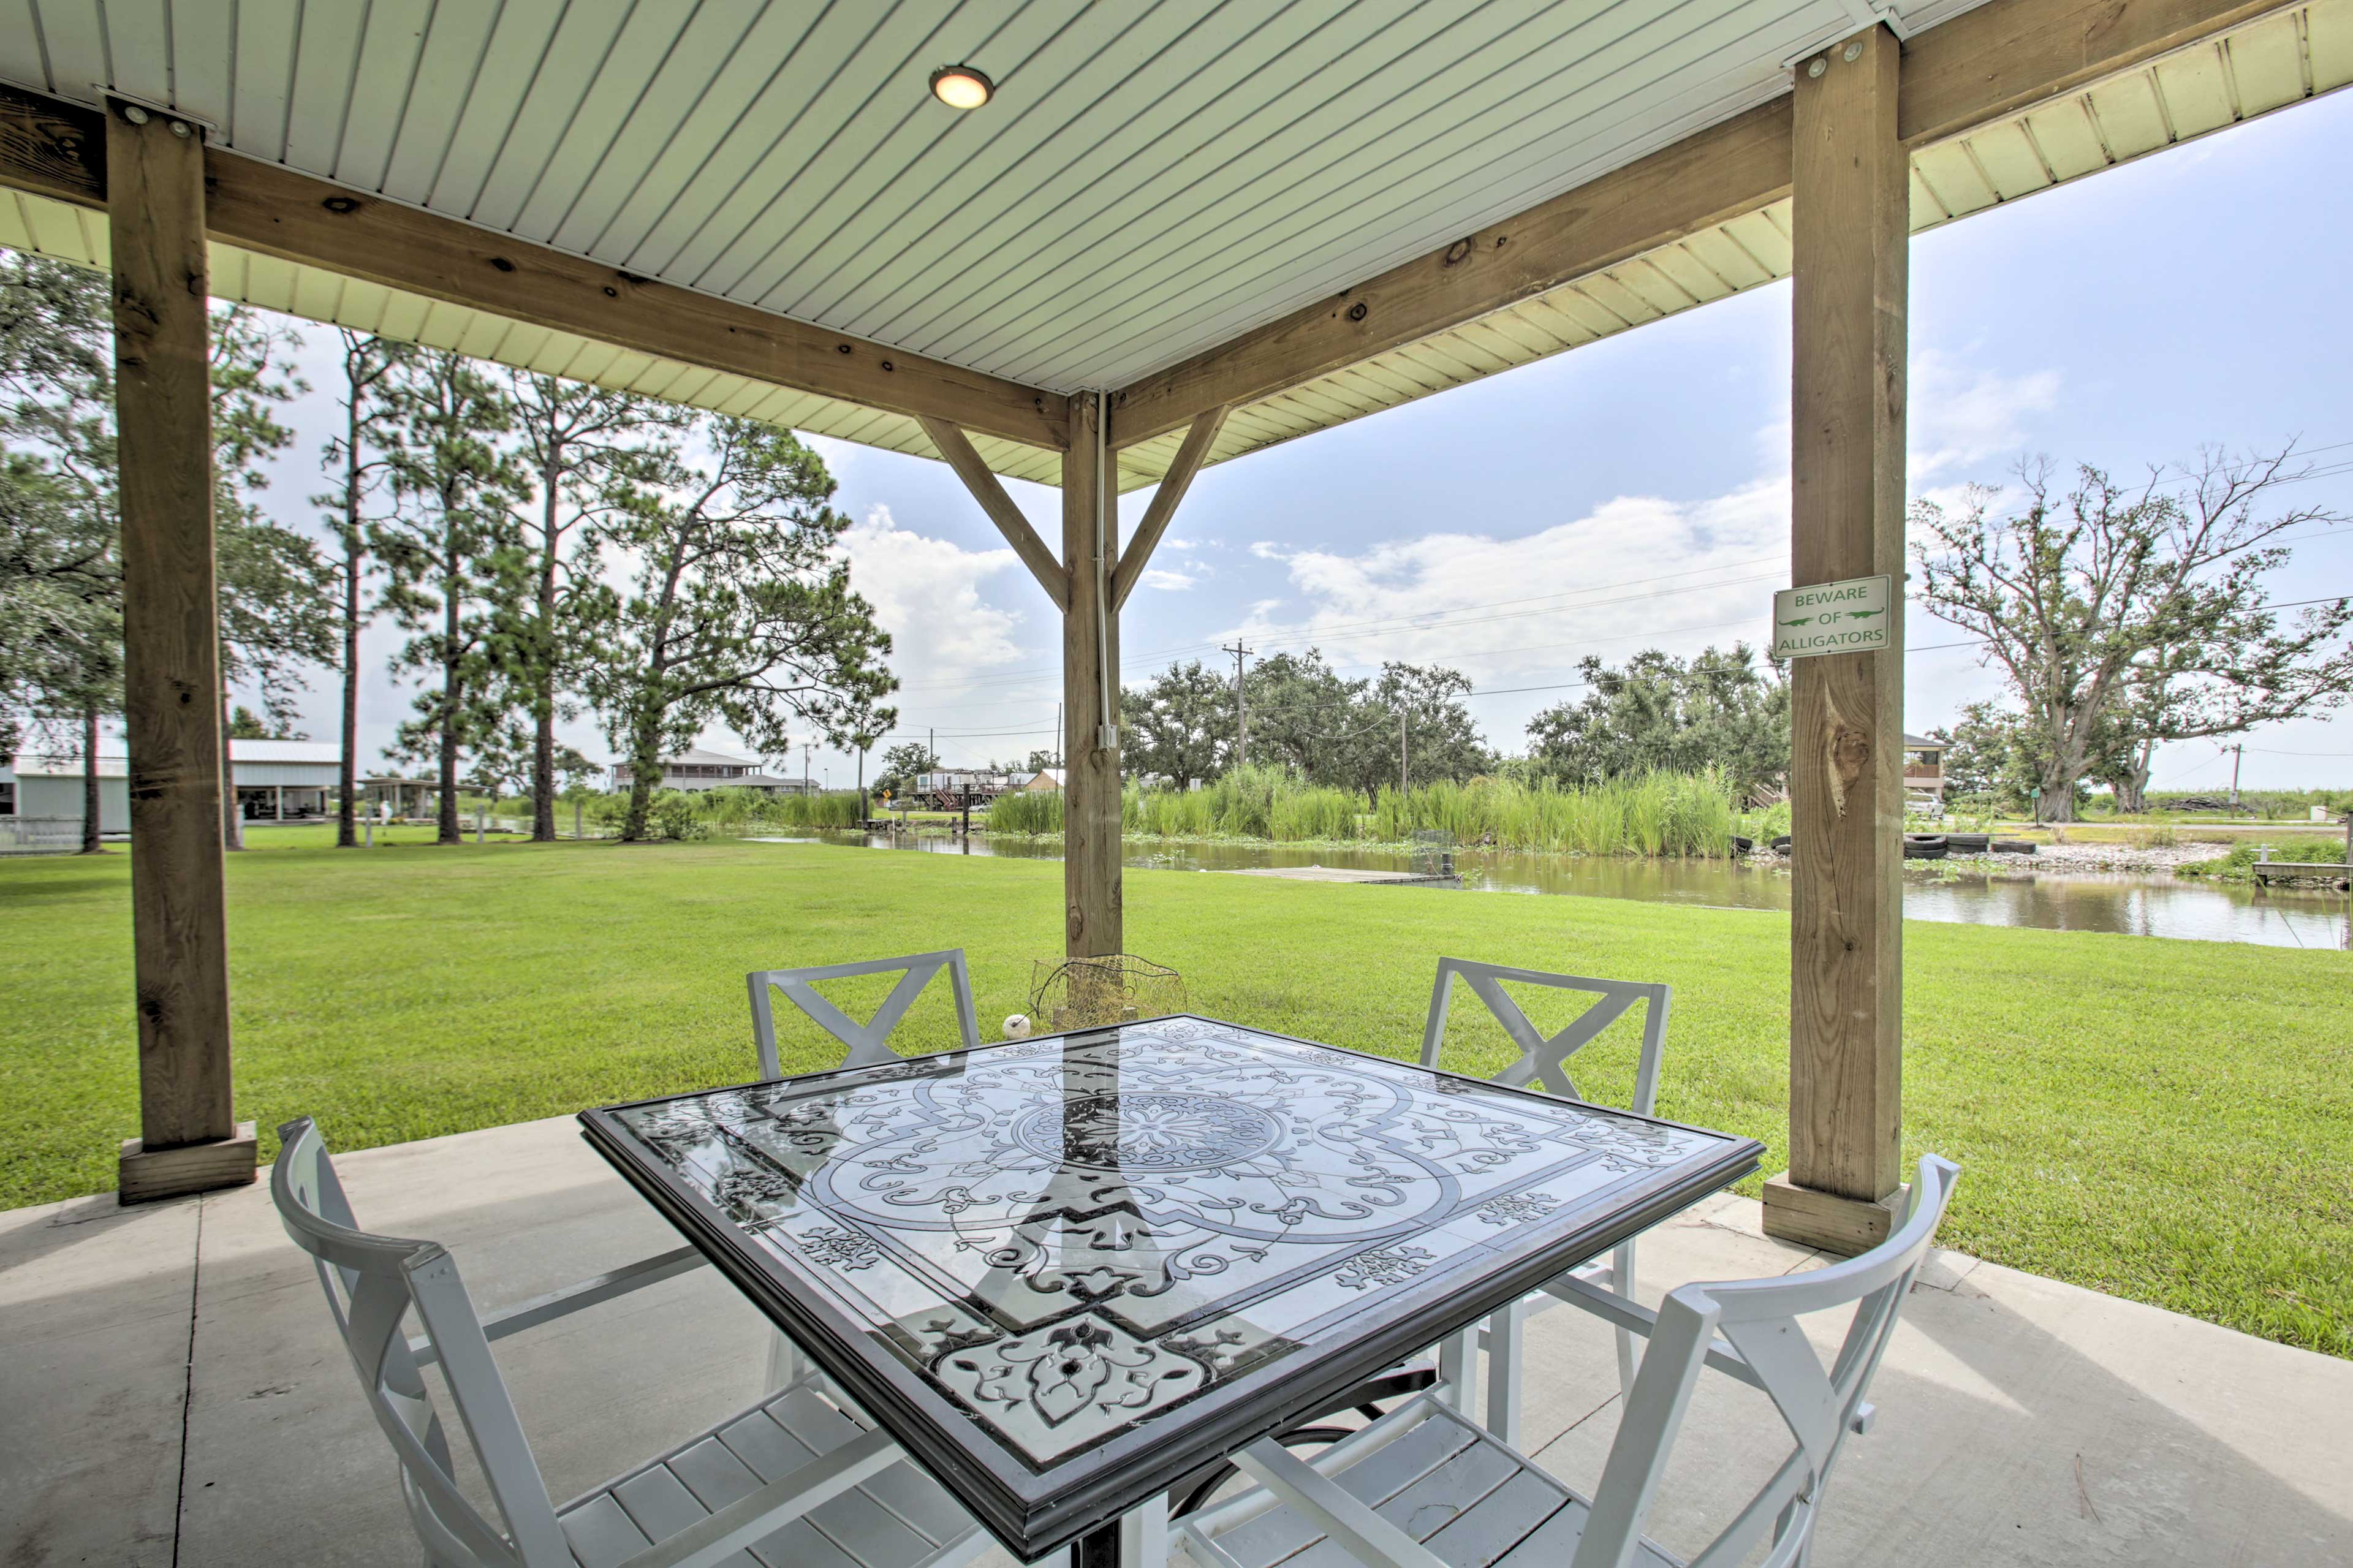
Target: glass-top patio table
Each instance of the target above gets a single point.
(1063, 1273)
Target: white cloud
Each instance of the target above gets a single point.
(1267, 550)
(1183, 544)
(926, 593)
(1958, 418)
(1954, 418)
(1637, 572)
(1168, 581)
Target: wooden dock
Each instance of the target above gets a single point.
(1342, 874)
(2334, 872)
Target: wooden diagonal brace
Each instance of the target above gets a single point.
(1190, 456)
(956, 451)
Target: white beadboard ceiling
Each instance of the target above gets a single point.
(1150, 180)
(1152, 176)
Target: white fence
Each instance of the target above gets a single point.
(39, 835)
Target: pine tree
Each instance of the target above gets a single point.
(454, 559)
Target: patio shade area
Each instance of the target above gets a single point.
(1173, 234)
(181, 1396)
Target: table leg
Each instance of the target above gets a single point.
(1140, 1539)
(1099, 1547)
(1458, 1365)
(785, 1364)
(1503, 1348)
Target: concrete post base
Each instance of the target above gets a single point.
(146, 1174)
(1828, 1221)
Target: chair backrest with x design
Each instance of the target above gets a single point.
(869, 1043)
(373, 1283)
(1543, 1058)
(1760, 1317)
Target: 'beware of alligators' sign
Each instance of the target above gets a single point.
(1832, 617)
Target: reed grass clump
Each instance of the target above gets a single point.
(1659, 814)
(1029, 811)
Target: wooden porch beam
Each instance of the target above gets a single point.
(190, 1139)
(1190, 456)
(956, 451)
(1851, 241)
(1989, 63)
(57, 149)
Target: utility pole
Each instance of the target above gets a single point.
(2238, 755)
(805, 767)
(1241, 705)
(1405, 773)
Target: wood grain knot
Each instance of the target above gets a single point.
(1849, 755)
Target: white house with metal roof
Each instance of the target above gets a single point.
(280, 779)
(696, 769)
(47, 787)
(274, 779)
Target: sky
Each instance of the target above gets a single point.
(1634, 493)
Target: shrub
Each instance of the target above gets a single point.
(671, 815)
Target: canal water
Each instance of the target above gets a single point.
(2134, 905)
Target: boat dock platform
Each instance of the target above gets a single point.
(2331, 871)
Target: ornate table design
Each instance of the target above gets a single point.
(1066, 1237)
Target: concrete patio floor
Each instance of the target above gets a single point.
(175, 1393)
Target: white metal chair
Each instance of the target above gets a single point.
(1424, 1488)
(1544, 1064)
(795, 1480)
(869, 1043)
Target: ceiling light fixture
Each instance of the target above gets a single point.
(961, 86)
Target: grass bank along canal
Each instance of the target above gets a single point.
(2132, 904)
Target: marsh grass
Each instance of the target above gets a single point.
(1669, 815)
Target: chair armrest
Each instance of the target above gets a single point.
(572, 1298)
(1626, 1313)
(1365, 1534)
(758, 1514)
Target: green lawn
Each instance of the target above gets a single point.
(2171, 1122)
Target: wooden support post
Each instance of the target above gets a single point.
(189, 1137)
(1850, 239)
(1091, 872)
